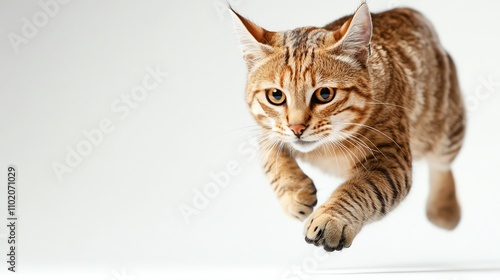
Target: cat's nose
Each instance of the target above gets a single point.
(297, 129)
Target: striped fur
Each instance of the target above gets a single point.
(397, 98)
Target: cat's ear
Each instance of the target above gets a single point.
(255, 40)
(354, 36)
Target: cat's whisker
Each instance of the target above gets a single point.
(378, 131)
(255, 133)
(346, 152)
(278, 152)
(245, 131)
(332, 146)
(378, 102)
(261, 141)
(348, 139)
(361, 135)
(360, 142)
(330, 149)
(248, 138)
(335, 144)
(270, 143)
(242, 128)
(351, 154)
(265, 143)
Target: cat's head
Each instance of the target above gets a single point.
(309, 86)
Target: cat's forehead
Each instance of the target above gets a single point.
(307, 37)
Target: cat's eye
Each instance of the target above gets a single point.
(324, 94)
(275, 96)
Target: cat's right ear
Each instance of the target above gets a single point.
(255, 40)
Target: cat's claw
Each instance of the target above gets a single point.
(326, 229)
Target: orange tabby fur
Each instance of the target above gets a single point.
(396, 97)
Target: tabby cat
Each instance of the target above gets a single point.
(359, 98)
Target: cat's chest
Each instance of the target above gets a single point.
(339, 165)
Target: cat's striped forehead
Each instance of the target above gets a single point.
(307, 37)
(299, 52)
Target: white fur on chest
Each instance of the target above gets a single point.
(337, 165)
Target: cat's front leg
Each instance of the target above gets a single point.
(295, 190)
(367, 196)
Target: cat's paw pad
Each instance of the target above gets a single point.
(300, 202)
(330, 231)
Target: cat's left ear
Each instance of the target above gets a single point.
(355, 35)
(255, 40)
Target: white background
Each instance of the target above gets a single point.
(116, 215)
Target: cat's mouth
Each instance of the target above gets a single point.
(304, 146)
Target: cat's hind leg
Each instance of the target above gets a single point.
(443, 208)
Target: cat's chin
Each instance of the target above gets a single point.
(304, 146)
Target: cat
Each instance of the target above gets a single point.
(359, 98)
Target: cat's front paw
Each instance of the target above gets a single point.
(299, 201)
(330, 230)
